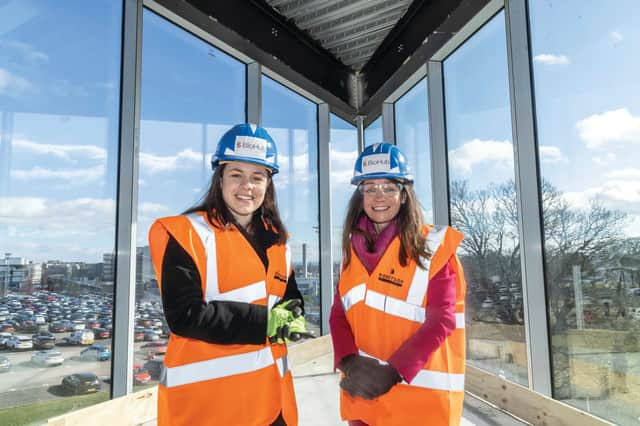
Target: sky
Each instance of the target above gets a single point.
(59, 108)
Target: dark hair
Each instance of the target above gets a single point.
(412, 242)
(220, 217)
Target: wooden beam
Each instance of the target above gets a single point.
(524, 403)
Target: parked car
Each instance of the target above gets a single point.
(96, 353)
(5, 364)
(81, 383)
(154, 367)
(44, 340)
(101, 333)
(3, 338)
(48, 358)
(140, 375)
(83, 337)
(19, 342)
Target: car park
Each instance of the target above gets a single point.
(48, 358)
(81, 383)
(3, 338)
(44, 340)
(101, 333)
(84, 337)
(154, 367)
(96, 353)
(140, 375)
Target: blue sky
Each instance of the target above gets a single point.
(59, 105)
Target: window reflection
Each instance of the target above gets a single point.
(587, 120)
(292, 122)
(191, 94)
(344, 152)
(59, 112)
(482, 200)
(412, 137)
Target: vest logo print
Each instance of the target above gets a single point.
(250, 147)
(390, 279)
(278, 276)
(376, 163)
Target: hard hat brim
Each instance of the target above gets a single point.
(382, 175)
(229, 158)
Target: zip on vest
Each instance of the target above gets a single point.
(249, 293)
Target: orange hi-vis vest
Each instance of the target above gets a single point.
(387, 307)
(204, 383)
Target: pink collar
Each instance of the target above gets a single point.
(381, 241)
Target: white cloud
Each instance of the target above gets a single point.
(615, 37)
(604, 159)
(552, 154)
(550, 59)
(64, 152)
(25, 50)
(151, 163)
(624, 174)
(477, 151)
(79, 175)
(12, 84)
(609, 127)
(79, 212)
(148, 208)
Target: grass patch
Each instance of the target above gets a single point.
(41, 411)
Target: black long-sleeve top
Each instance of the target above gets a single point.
(221, 322)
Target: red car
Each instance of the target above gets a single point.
(140, 375)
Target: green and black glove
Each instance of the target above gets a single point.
(286, 323)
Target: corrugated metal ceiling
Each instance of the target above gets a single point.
(350, 29)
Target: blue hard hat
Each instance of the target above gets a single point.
(382, 161)
(249, 143)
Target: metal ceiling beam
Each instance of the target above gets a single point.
(358, 46)
(261, 32)
(420, 21)
(363, 54)
(320, 34)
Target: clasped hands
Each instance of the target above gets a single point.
(366, 377)
(286, 323)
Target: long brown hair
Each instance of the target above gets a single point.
(219, 215)
(410, 222)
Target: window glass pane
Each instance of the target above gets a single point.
(482, 200)
(59, 119)
(191, 94)
(344, 152)
(412, 137)
(292, 121)
(586, 67)
(373, 132)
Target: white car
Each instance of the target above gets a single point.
(19, 342)
(4, 336)
(48, 358)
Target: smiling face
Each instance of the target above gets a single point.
(243, 189)
(381, 200)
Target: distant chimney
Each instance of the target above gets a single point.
(304, 260)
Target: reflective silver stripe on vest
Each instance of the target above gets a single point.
(272, 301)
(353, 296)
(460, 320)
(249, 293)
(430, 379)
(287, 259)
(216, 368)
(420, 281)
(395, 307)
(283, 365)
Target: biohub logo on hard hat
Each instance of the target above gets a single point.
(250, 147)
(376, 163)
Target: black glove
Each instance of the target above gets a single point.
(367, 378)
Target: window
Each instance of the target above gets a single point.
(344, 152)
(588, 115)
(292, 122)
(191, 94)
(373, 132)
(412, 137)
(482, 200)
(59, 120)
